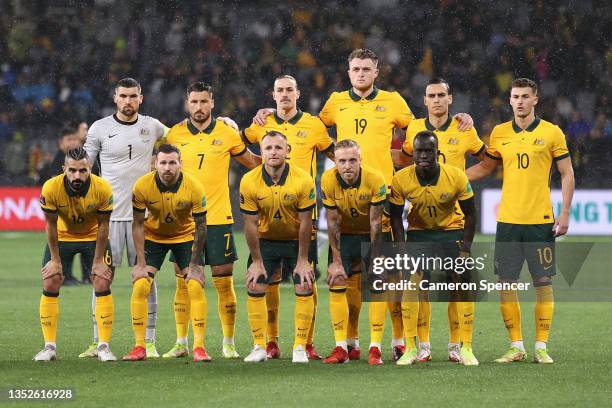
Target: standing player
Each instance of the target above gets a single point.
(173, 200)
(454, 145)
(306, 134)
(206, 146)
(77, 208)
(354, 196)
(527, 147)
(124, 143)
(277, 200)
(435, 230)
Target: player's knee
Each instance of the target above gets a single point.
(53, 284)
(300, 291)
(542, 281)
(257, 289)
(219, 271)
(177, 270)
(100, 284)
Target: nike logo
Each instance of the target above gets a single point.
(62, 206)
(341, 109)
(547, 267)
(111, 136)
(411, 198)
(543, 319)
(153, 202)
(466, 315)
(228, 254)
(503, 144)
(259, 199)
(340, 322)
(199, 320)
(305, 328)
(136, 319)
(45, 317)
(377, 325)
(184, 144)
(104, 317)
(255, 331)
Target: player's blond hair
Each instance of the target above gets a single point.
(347, 144)
(363, 53)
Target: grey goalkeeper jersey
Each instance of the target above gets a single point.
(125, 151)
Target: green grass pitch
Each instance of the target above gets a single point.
(579, 344)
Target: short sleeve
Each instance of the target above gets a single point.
(464, 187)
(48, 202)
(138, 200)
(198, 200)
(327, 189)
(559, 145)
(322, 141)
(475, 145)
(379, 190)
(403, 114)
(307, 197)
(493, 148)
(253, 133)
(248, 197)
(160, 129)
(92, 144)
(397, 195)
(328, 113)
(105, 205)
(237, 147)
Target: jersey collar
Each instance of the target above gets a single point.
(194, 130)
(295, 119)
(346, 185)
(162, 188)
(124, 123)
(442, 128)
(74, 193)
(529, 128)
(356, 97)
(429, 182)
(268, 179)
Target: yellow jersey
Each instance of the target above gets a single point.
(277, 204)
(453, 145)
(353, 202)
(433, 201)
(170, 210)
(77, 212)
(527, 157)
(304, 132)
(370, 122)
(206, 156)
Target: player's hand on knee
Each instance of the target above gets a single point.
(101, 270)
(139, 272)
(261, 115)
(51, 269)
(336, 274)
(229, 122)
(195, 272)
(304, 270)
(256, 269)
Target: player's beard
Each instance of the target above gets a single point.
(200, 117)
(129, 111)
(77, 184)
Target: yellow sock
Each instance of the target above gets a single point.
(465, 311)
(181, 308)
(49, 315)
(545, 305)
(424, 320)
(304, 309)
(140, 309)
(315, 297)
(453, 323)
(353, 297)
(410, 316)
(511, 312)
(273, 304)
(377, 313)
(395, 311)
(105, 314)
(338, 312)
(258, 316)
(226, 304)
(199, 311)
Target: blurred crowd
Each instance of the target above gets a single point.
(59, 62)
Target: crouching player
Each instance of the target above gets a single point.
(277, 201)
(354, 196)
(77, 207)
(435, 229)
(173, 200)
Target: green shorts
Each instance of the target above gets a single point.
(350, 252)
(219, 248)
(276, 254)
(155, 253)
(517, 243)
(68, 249)
(437, 244)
